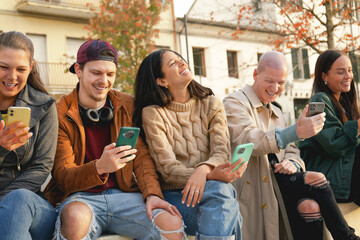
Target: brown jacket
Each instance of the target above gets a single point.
(71, 175)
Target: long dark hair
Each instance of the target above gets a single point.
(17, 40)
(347, 100)
(148, 92)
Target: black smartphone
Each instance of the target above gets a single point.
(315, 108)
(128, 136)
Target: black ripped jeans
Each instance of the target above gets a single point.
(294, 190)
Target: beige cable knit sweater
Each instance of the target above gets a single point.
(182, 136)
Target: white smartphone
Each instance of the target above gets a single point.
(18, 114)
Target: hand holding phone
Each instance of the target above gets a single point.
(243, 152)
(315, 108)
(128, 136)
(14, 134)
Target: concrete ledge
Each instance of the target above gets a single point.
(118, 237)
(351, 213)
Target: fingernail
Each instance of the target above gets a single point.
(182, 202)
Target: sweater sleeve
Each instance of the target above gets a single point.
(171, 169)
(218, 134)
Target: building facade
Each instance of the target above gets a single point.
(204, 36)
(56, 28)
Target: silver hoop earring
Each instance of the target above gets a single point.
(326, 83)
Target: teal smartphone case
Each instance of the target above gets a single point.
(242, 151)
(128, 136)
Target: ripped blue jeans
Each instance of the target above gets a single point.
(216, 217)
(114, 211)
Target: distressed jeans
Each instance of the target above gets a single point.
(216, 217)
(24, 215)
(293, 190)
(114, 211)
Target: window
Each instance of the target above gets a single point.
(72, 46)
(199, 61)
(346, 5)
(291, 2)
(300, 63)
(355, 62)
(257, 5)
(158, 47)
(232, 64)
(299, 105)
(40, 55)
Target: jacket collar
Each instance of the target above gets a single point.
(73, 112)
(255, 101)
(37, 101)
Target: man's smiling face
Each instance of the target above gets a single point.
(269, 83)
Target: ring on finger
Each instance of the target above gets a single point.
(197, 191)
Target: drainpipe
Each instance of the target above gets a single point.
(186, 37)
(174, 25)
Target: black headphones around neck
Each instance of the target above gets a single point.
(101, 116)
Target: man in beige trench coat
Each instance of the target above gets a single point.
(252, 118)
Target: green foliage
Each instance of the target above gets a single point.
(129, 26)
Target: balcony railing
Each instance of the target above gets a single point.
(56, 78)
(64, 8)
(68, 3)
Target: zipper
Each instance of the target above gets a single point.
(18, 164)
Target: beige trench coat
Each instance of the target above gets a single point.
(250, 121)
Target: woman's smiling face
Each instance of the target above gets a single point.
(339, 76)
(15, 68)
(176, 71)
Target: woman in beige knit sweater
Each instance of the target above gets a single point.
(186, 131)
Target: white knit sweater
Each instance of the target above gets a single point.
(182, 136)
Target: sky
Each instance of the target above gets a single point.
(181, 7)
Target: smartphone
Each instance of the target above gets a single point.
(18, 114)
(128, 136)
(242, 151)
(315, 108)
